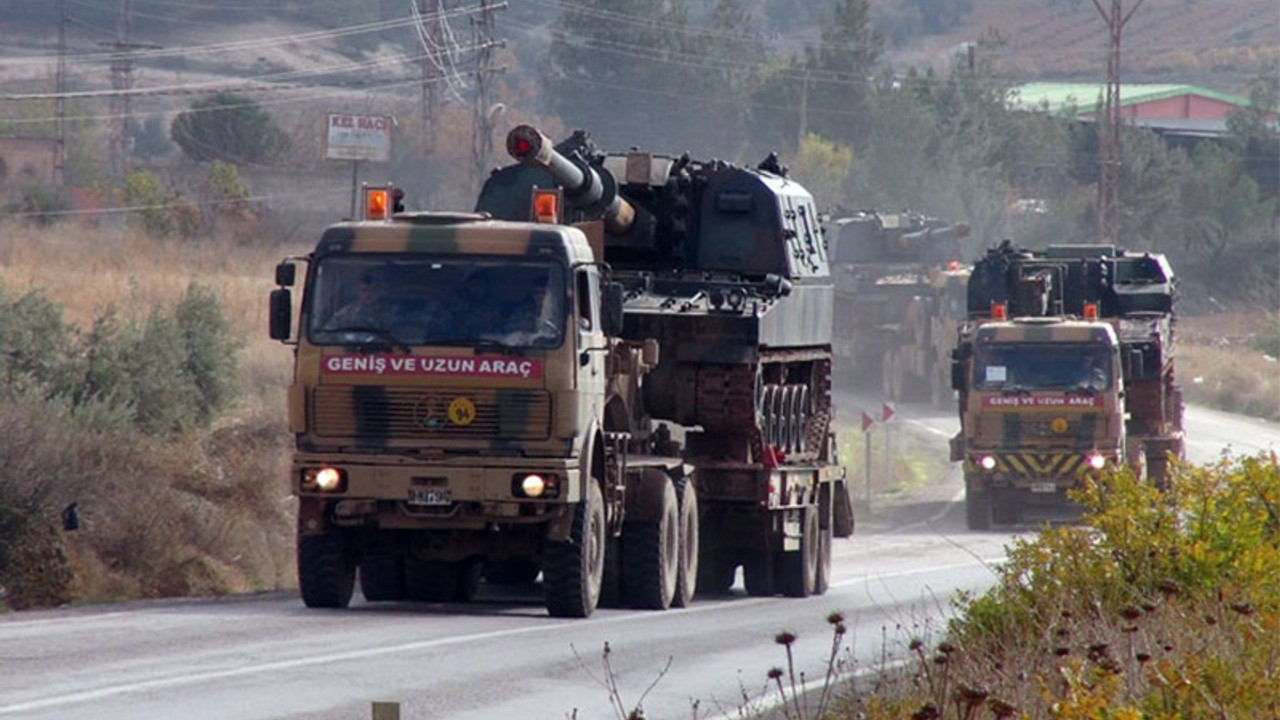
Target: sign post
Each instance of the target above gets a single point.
(357, 138)
(886, 412)
(867, 422)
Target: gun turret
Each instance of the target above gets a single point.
(587, 189)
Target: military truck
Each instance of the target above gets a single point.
(521, 411)
(1046, 310)
(900, 289)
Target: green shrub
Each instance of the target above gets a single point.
(210, 351)
(1267, 339)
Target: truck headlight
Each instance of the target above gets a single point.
(1096, 461)
(535, 485)
(987, 462)
(324, 479)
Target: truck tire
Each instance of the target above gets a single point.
(977, 509)
(573, 570)
(326, 570)
(687, 572)
(651, 553)
(798, 570)
(382, 578)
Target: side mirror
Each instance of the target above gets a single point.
(280, 312)
(611, 309)
(286, 273)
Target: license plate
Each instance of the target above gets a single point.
(1044, 487)
(435, 496)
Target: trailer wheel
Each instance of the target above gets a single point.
(798, 570)
(574, 569)
(651, 553)
(326, 570)
(687, 572)
(382, 578)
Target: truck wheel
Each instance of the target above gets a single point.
(574, 569)
(651, 554)
(431, 580)
(469, 572)
(382, 578)
(326, 570)
(687, 572)
(798, 570)
(822, 579)
(977, 509)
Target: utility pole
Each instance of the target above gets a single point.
(59, 101)
(1110, 158)
(483, 110)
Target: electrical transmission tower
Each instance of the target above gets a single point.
(122, 82)
(1109, 154)
(484, 112)
(431, 18)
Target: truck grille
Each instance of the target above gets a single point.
(369, 411)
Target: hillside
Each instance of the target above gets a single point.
(1218, 44)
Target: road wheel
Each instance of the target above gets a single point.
(977, 509)
(687, 572)
(651, 553)
(798, 570)
(326, 570)
(574, 569)
(382, 578)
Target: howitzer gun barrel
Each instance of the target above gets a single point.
(933, 235)
(584, 186)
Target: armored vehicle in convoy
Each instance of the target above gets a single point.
(614, 374)
(1064, 367)
(900, 290)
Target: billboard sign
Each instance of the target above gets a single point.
(357, 137)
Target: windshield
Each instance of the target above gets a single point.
(455, 300)
(1032, 366)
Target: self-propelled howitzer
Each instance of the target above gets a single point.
(726, 269)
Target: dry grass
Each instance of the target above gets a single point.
(205, 514)
(1218, 367)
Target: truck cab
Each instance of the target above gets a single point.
(1041, 407)
(448, 403)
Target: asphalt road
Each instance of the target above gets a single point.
(266, 656)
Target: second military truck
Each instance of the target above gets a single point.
(614, 374)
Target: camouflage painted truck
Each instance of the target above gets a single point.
(900, 289)
(505, 420)
(1065, 368)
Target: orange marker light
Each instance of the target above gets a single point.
(999, 311)
(1090, 311)
(376, 201)
(546, 205)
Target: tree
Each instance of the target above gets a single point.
(615, 69)
(229, 127)
(840, 72)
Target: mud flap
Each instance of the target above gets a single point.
(836, 495)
